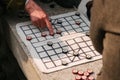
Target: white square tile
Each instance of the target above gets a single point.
(28, 32)
(35, 30)
(89, 43)
(51, 52)
(69, 18)
(39, 49)
(85, 28)
(66, 60)
(90, 53)
(86, 49)
(72, 22)
(38, 34)
(70, 42)
(63, 44)
(62, 19)
(78, 30)
(25, 28)
(46, 47)
(65, 23)
(50, 65)
(78, 39)
(76, 59)
(34, 40)
(36, 44)
(47, 59)
(57, 62)
(41, 39)
(64, 33)
(75, 46)
(59, 50)
(55, 57)
(68, 28)
(83, 24)
(62, 55)
(82, 44)
(86, 38)
(49, 37)
(75, 26)
(32, 26)
(56, 45)
(71, 32)
(92, 48)
(43, 54)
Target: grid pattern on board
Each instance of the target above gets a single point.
(73, 39)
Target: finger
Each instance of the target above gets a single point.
(35, 23)
(49, 26)
(43, 24)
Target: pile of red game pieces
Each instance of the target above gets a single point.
(83, 75)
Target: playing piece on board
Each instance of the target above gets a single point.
(29, 38)
(58, 31)
(43, 34)
(64, 63)
(52, 34)
(65, 51)
(88, 56)
(87, 33)
(77, 14)
(76, 53)
(59, 21)
(49, 43)
(77, 22)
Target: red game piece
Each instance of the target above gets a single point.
(80, 72)
(91, 78)
(51, 34)
(75, 71)
(86, 73)
(90, 71)
(28, 38)
(43, 34)
(84, 77)
(77, 22)
(77, 77)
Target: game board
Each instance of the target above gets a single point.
(72, 47)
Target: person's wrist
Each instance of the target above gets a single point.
(29, 6)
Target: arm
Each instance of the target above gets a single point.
(97, 32)
(38, 17)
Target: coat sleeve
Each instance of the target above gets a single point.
(96, 29)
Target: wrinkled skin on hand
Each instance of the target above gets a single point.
(38, 17)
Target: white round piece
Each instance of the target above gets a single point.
(49, 43)
(64, 62)
(88, 56)
(65, 51)
(75, 53)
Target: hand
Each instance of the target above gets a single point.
(38, 17)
